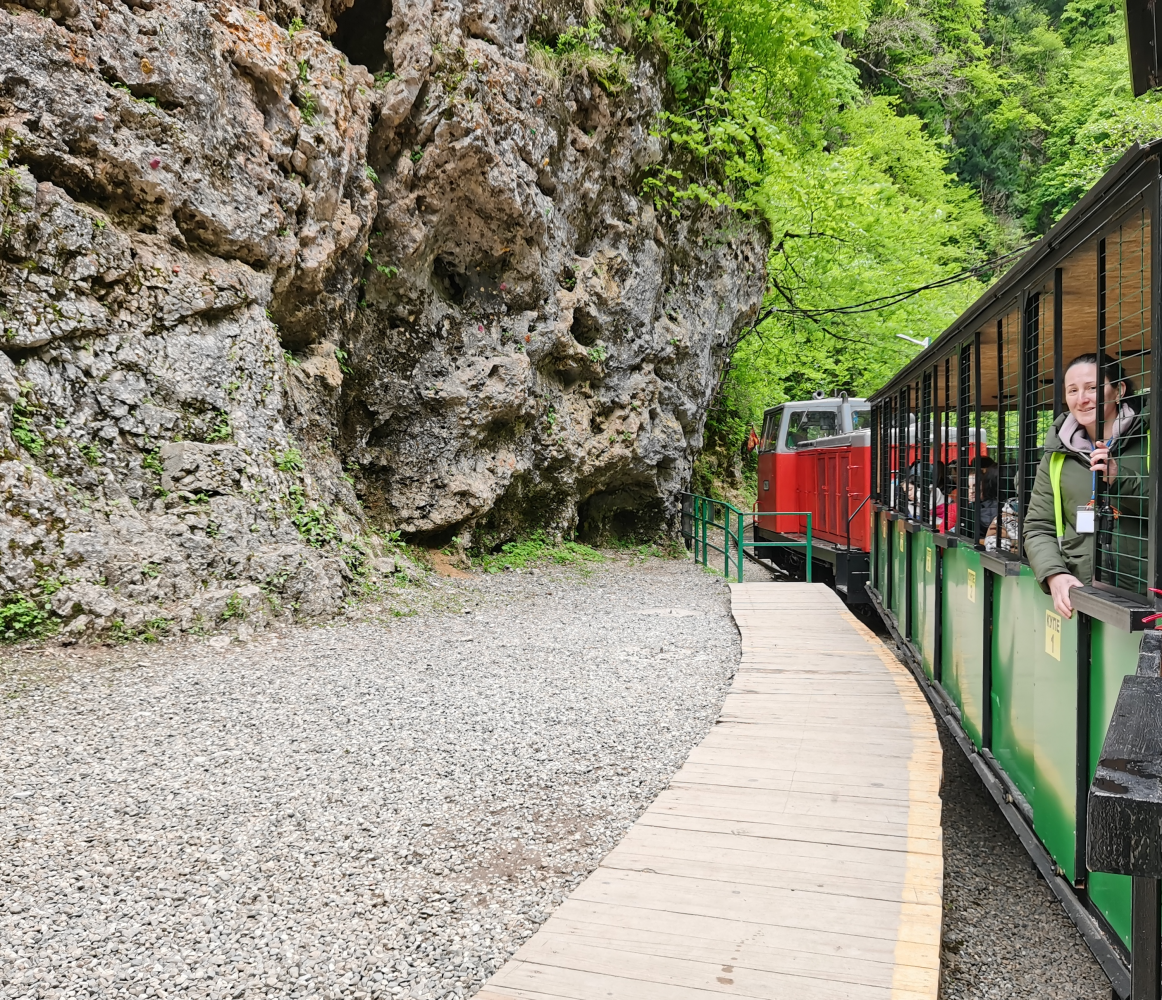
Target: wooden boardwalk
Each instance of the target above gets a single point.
(796, 854)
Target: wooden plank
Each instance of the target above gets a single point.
(797, 853)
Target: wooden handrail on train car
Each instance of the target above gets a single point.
(697, 516)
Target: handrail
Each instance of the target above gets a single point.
(698, 515)
(851, 515)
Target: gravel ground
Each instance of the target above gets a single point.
(378, 808)
(1005, 934)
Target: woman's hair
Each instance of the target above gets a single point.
(990, 484)
(1114, 373)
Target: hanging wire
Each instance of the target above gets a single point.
(895, 298)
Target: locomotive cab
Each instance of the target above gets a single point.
(815, 457)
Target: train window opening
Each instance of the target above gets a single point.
(806, 426)
(944, 515)
(861, 420)
(904, 439)
(770, 435)
(1124, 338)
(967, 466)
(998, 505)
(1039, 389)
(925, 501)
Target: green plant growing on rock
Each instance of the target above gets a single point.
(151, 461)
(308, 107)
(313, 521)
(23, 618)
(91, 452)
(23, 428)
(235, 608)
(577, 49)
(221, 431)
(294, 27)
(538, 548)
(290, 460)
(598, 353)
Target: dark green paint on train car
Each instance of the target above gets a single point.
(1053, 663)
(963, 627)
(1012, 679)
(924, 558)
(883, 554)
(899, 596)
(1113, 655)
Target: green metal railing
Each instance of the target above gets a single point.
(699, 518)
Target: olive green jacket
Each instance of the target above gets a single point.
(1128, 493)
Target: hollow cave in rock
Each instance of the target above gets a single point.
(360, 32)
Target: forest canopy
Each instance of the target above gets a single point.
(886, 146)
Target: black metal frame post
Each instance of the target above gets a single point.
(986, 674)
(977, 385)
(1058, 343)
(1081, 751)
(1154, 552)
(1026, 331)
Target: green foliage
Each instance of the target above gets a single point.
(304, 71)
(387, 270)
(235, 608)
(23, 618)
(23, 430)
(151, 460)
(538, 548)
(294, 27)
(221, 431)
(91, 452)
(290, 460)
(313, 521)
(308, 107)
(370, 174)
(579, 48)
(598, 353)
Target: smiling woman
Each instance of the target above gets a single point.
(1078, 454)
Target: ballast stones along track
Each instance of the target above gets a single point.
(368, 810)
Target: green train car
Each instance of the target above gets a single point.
(1027, 689)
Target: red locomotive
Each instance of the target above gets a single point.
(816, 456)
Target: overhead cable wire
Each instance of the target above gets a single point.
(895, 298)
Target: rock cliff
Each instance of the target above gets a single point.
(275, 280)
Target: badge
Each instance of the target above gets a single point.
(1084, 521)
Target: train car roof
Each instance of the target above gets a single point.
(826, 403)
(1118, 187)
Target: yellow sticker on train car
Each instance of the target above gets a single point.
(901, 535)
(972, 585)
(928, 561)
(1053, 635)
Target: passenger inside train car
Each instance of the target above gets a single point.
(1065, 515)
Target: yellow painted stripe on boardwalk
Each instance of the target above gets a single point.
(796, 854)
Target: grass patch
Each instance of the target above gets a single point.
(538, 548)
(23, 618)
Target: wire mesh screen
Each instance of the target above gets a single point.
(1039, 384)
(949, 445)
(904, 413)
(1124, 339)
(999, 505)
(966, 422)
(925, 470)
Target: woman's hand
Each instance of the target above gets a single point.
(1100, 461)
(1059, 586)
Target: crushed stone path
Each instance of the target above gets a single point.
(377, 808)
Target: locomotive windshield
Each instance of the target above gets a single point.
(805, 426)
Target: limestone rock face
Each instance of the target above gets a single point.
(255, 301)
